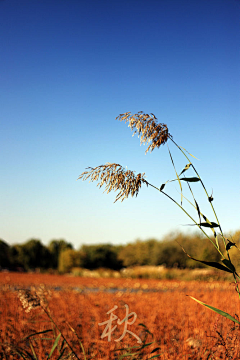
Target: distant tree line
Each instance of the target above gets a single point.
(59, 255)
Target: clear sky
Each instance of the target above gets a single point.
(69, 67)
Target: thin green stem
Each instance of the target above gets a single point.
(209, 201)
(83, 350)
(205, 192)
(201, 184)
(237, 288)
(187, 215)
(50, 317)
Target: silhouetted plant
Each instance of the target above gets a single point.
(115, 177)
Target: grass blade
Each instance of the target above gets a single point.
(54, 345)
(198, 210)
(80, 343)
(220, 312)
(185, 169)
(127, 354)
(33, 351)
(206, 224)
(36, 333)
(210, 263)
(154, 350)
(21, 353)
(190, 179)
(188, 152)
(229, 265)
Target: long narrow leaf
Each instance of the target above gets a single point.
(62, 345)
(212, 225)
(36, 333)
(128, 348)
(198, 210)
(185, 169)
(220, 312)
(197, 206)
(163, 185)
(209, 263)
(33, 351)
(61, 354)
(206, 219)
(20, 353)
(190, 179)
(67, 356)
(80, 343)
(229, 265)
(214, 265)
(188, 152)
(127, 354)
(214, 232)
(54, 345)
(24, 353)
(206, 224)
(145, 345)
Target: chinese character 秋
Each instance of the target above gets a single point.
(109, 328)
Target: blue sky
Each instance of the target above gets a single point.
(69, 67)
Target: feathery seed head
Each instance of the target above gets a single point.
(29, 300)
(147, 128)
(115, 177)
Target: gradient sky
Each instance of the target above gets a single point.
(69, 67)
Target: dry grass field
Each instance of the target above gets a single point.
(168, 321)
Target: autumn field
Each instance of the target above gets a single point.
(83, 318)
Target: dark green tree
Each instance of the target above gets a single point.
(100, 256)
(17, 256)
(4, 255)
(56, 247)
(31, 255)
(139, 253)
(68, 259)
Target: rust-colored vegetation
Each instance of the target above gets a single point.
(177, 326)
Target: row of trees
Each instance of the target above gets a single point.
(60, 255)
(32, 254)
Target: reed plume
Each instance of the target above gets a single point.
(116, 178)
(29, 300)
(147, 128)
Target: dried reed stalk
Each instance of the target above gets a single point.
(115, 177)
(146, 126)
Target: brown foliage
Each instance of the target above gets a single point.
(181, 328)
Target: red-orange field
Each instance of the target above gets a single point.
(177, 326)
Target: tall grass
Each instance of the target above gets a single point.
(59, 338)
(115, 178)
(181, 328)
